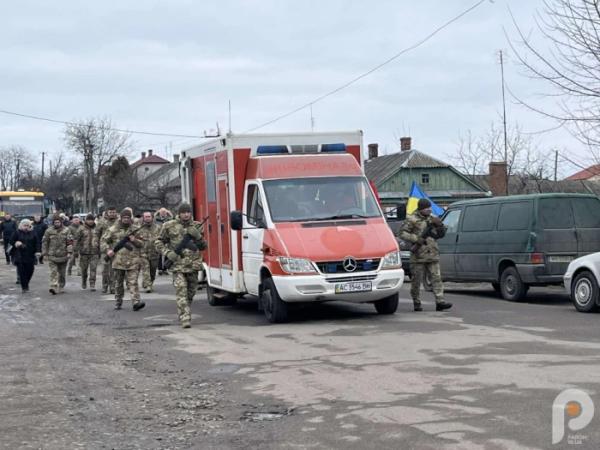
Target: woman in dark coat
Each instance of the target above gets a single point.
(26, 247)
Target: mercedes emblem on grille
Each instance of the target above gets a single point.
(349, 264)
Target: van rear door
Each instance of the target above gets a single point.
(557, 234)
(587, 222)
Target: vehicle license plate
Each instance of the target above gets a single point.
(560, 259)
(353, 286)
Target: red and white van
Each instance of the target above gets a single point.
(291, 218)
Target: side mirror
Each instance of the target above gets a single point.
(401, 211)
(236, 220)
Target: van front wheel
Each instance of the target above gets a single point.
(387, 305)
(511, 286)
(276, 310)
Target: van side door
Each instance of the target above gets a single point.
(447, 244)
(252, 237)
(474, 245)
(587, 222)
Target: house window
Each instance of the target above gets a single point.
(425, 178)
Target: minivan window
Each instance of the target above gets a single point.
(254, 211)
(587, 212)
(514, 216)
(451, 221)
(480, 217)
(556, 213)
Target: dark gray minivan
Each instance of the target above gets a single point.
(518, 241)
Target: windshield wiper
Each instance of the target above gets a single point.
(343, 216)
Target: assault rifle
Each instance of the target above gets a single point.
(123, 243)
(186, 242)
(434, 229)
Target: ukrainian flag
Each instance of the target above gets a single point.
(413, 199)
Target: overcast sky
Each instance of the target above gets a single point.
(172, 66)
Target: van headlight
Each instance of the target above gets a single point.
(296, 265)
(392, 261)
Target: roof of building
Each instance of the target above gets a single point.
(380, 169)
(527, 185)
(151, 159)
(586, 174)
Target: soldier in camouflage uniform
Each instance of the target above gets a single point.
(74, 228)
(57, 247)
(185, 265)
(108, 277)
(126, 261)
(87, 245)
(149, 261)
(422, 230)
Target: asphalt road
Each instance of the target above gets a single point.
(76, 374)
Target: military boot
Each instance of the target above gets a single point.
(186, 324)
(83, 284)
(92, 287)
(139, 305)
(441, 306)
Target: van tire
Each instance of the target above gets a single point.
(387, 305)
(584, 292)
(214, 300)
(276, 310)
(511, 286)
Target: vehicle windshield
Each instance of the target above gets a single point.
(22, 208)
(305, 199)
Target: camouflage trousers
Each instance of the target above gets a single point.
(148, 268)
(186, 285)
(57, 274)
(72, 263)
(108, 276)
(418, 273)
(129, 277)
(88, 263)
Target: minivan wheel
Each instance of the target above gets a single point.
(387, 305)
(584, 292)
(511, 286)
(276, 310)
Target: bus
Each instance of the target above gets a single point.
(22, 204)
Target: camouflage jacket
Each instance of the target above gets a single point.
(171, 235)
(87, 241)
(149, 234)
(57, 244)
(103, 225)
(74, 229)
(124, 259)
(412, 230)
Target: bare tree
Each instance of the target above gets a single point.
(16, 163)
(98, 143)
(569, 67)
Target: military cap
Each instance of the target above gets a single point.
(184, 207)
(423, 204)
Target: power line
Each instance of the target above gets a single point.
(369, 72)
(63, 122)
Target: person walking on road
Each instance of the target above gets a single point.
(186, 261)
(57, 247)
(26, 247)
(149, 261)
(422, 230)
(104, 224)
(125, 260)
(8, 226)
(74, 228)
(39, 228)
(162, 216)
(87, 245)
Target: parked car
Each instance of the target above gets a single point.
(581, 282)
(518, 241)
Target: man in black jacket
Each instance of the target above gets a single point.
(25, 249)
(8, 227)
(39, 228)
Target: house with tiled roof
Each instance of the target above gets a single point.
(592, 173)
(394, 174)
(147, 164)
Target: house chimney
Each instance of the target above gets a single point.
(498, 179)
(176, 158)
(373, 151)
(143, 155)
(405, 143)
(149, 152)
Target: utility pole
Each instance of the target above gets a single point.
(556, 165)
(42, 181)
(504, 118)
